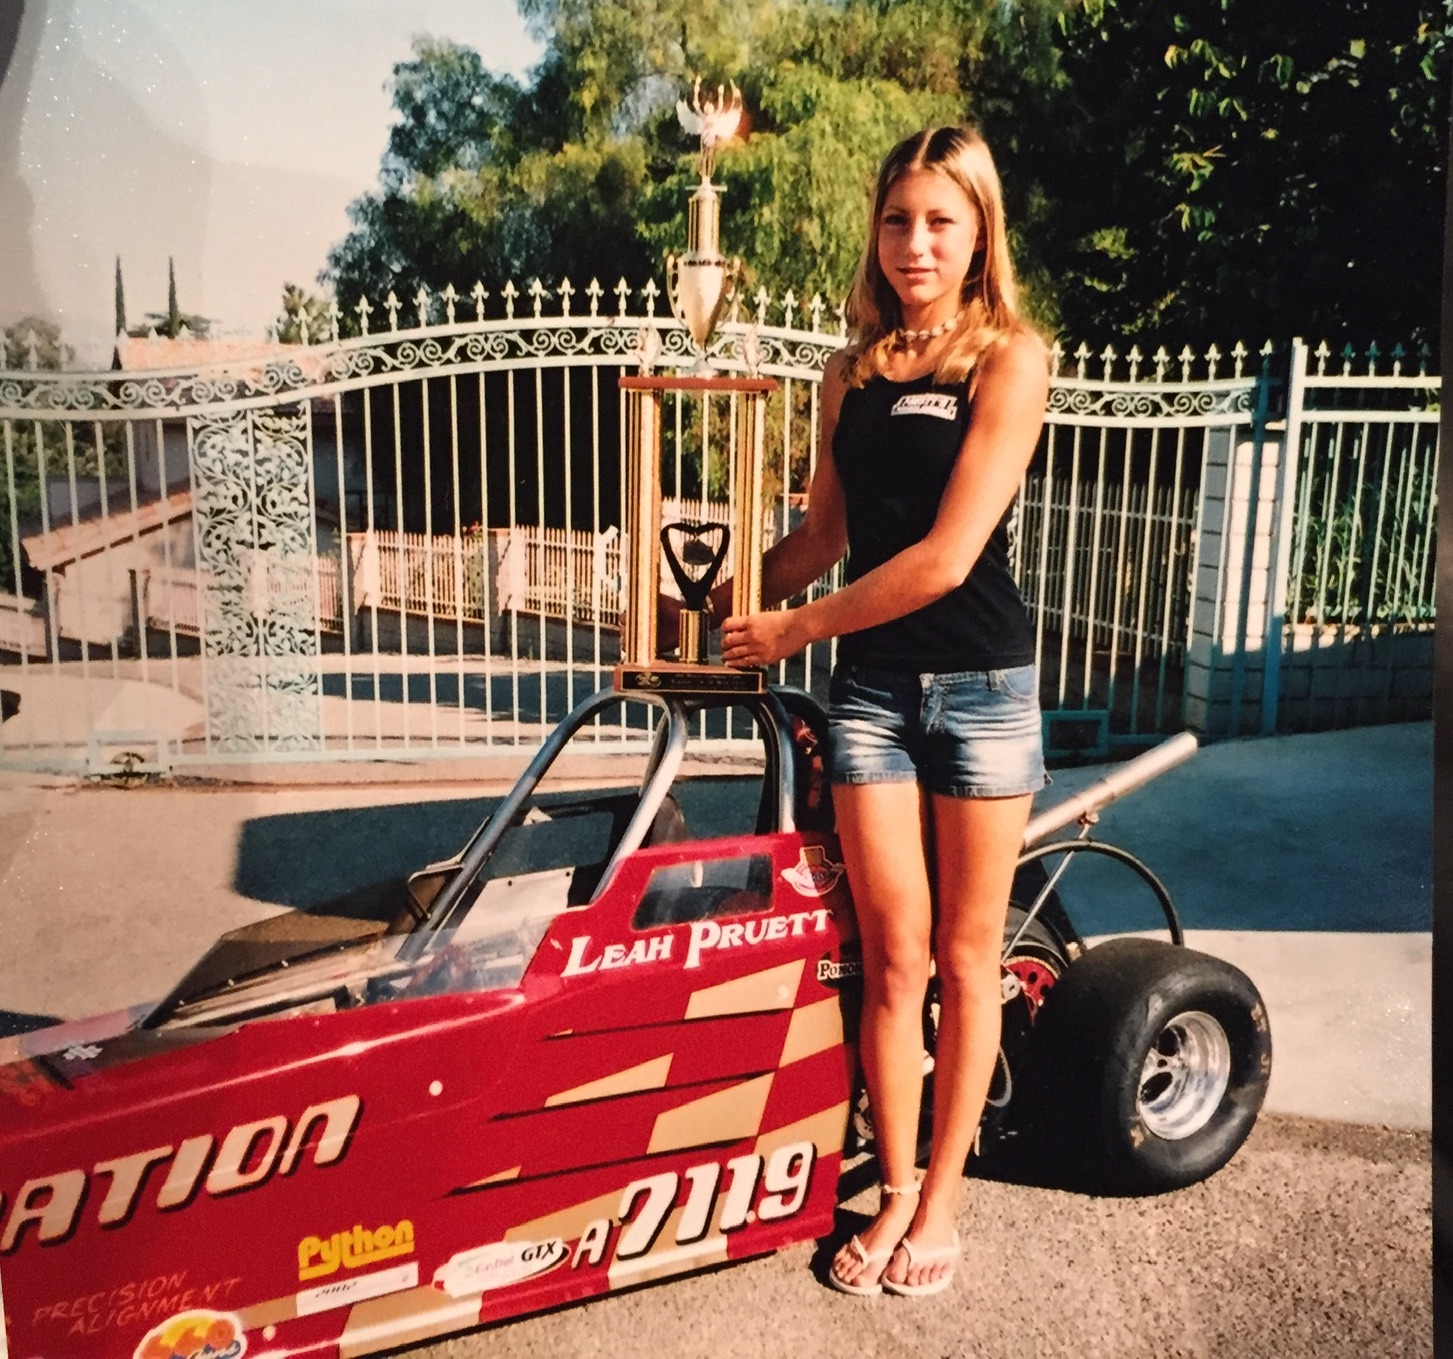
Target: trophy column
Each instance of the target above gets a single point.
(641, 667)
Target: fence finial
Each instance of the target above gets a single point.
(1239, 353)
(363, 310)
(566, 291)
(1161, 359)
(595, 292)
(537, 294)
(509, 292)
(450, 298)
(421, 302)
(623, 294)
(392, 304)
(478, 293)
(1133, 358)
(650, 292)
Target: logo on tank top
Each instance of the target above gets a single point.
(940, 405)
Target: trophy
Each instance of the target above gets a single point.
(701, 284)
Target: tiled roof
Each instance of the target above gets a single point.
(70, 542)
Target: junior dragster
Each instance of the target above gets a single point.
(591, 1050)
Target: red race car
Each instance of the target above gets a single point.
(589, 1051)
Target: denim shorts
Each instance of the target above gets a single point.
(968, 733)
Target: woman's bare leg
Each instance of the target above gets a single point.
(977, 846)
(881, 829)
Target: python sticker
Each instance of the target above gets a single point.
(195, 1335)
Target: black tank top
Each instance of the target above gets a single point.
(894, 447)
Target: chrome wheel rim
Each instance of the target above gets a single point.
(1185, 1076)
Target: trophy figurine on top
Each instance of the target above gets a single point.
(701, 285)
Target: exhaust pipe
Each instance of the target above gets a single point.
(1122, 779)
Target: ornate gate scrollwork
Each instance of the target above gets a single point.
(255, 551)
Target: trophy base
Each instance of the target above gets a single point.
(680, 677)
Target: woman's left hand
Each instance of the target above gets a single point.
(756, 639)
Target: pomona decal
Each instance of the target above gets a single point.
(319, 1256)
(498, 1265)
(849, 969)
(245, 1157)
(814, 874)
(195, 1335)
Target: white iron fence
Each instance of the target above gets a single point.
(407, 542)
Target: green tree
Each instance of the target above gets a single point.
(585, 172)
(32, 342)
(173, 320)
(120, 300)
(1224, 169)
(305, 317)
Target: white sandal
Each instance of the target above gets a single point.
(924, 1257)
(867, 1258)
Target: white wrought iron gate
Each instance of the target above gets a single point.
(405, 543)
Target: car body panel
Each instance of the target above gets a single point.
(650, 1098)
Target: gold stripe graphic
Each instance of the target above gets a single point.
(567, 1223)
(814, 1028)
(647, 1076)
(774, 989)
(721, 1117)
(710, 1250)
(513, 1173)
(403, 1319)
(824, 1130)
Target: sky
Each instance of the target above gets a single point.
(229, 136)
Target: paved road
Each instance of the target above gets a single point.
(1312, 1244)
(1303, 859)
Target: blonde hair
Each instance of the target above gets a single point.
(990, 294)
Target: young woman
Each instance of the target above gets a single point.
(930, 417)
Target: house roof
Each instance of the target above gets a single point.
(187, 354)
(70, 542)
(140, 353)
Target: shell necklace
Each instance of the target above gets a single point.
(903, 337)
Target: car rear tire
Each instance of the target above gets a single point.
(1153, 1062)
